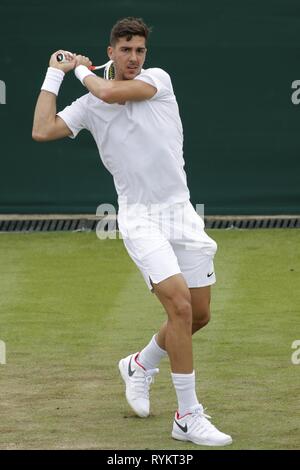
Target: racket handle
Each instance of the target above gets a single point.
(61, 57)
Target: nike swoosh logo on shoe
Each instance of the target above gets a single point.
(130, 371)
(183, 428)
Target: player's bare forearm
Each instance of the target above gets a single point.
(119, 91)
(99, 87)
(44, 115)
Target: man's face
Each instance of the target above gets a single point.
(128, 57)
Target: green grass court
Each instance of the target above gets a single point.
(71, 306)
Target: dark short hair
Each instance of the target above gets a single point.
(128, 27)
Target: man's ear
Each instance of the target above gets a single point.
(110, 52)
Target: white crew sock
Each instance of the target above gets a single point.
(185, 390)
(151, 355)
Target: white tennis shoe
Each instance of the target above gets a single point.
(196, 427)
(137, 380)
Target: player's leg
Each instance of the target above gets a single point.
(200, 301)
(175, 297)
(190, 423)
(195, 251)
(151, 355)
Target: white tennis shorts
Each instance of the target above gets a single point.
(168, 240)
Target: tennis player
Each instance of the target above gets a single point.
(135, 122)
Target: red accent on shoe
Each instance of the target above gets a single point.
(138, 363)
(179, 417)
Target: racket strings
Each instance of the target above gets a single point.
(109, 71)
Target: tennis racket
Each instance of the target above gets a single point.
(109, 71)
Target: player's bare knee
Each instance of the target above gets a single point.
(182, 310)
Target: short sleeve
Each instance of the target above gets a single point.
(160, 80)
(75, 116)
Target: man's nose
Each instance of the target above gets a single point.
(133, 56)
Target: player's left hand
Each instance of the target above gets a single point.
(65, 66)
(82, 60)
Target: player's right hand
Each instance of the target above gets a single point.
(83, 60)
(64, 66)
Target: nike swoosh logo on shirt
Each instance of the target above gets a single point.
(130, 371)
(183, 428)
(210, 274)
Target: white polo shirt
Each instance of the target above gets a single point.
(140, 142)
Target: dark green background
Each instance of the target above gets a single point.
(232, 64)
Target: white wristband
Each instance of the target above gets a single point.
(81, 72)
(53, 80)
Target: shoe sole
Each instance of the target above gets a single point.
(179, 437)
(124, 377)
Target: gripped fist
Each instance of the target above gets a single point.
(67, 65)
(82, 60)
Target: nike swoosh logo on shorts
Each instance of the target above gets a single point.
(130, 371)
(183, 428)
(210, 274)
